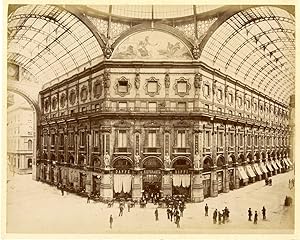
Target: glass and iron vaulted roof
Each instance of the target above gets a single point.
(153, 11)
(257, 47)
(50, 42)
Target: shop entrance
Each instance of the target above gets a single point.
(122, 178)
(152, 178)
(182, 178)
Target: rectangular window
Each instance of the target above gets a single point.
(122, 139)
(230, 98)
(97, 107)
(61, 139)
(152, 87)
(248, 140)
(220, 110)
(181, 139)
(181, 87)
(231, 140)
(106, 143)
(207, 139)
(239, 101)
(206, 106)
(152, 106)
(255, 140)
(82, 138)
(83, 109)
(152, 138)
(230, 112)
(220, 139)
(96, 139)
(52, 139)
(241, 140)
(181, 106)
(122, 106)
(123, 87)
(206, 90)
(220, 93)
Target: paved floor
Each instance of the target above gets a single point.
(34, 207)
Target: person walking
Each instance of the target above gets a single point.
(62, 190)
(264, 212)
(227, 213)
(215, 215)
(88, 198)
(111, 221)
(178, 221)
(128, 206)
(181, 208)
(249, 214)
(156, 214)
(121, 211)
(168, 212)
(206, 209)
(255, 217)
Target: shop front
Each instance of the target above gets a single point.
(96, 182)
(250, 173)
(242, 176)
(207, 179)
(264, 170)
(182, 178)
(152, 178)
(231, 178)
(270, 168)
(122, 179)
(257, 171)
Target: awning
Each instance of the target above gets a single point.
(243, 174)
(183, 180)
(278, 163)
(257, 169)
(289, 161)
(122, 182)
(274, 165)
(269, 166)
(250, 171)
(286, 162)
(263, 168)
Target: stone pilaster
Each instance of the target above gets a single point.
(197, 186)
(137, 184)
(106, 187)
(167, 183)
(214, 182)
(88, 186)
(226, 179)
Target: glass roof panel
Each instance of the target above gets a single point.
(252, 45)
(48, 37)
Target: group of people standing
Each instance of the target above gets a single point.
(220, 217)
(250, 214)
(175, 213)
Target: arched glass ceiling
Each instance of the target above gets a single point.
(256, 46)
(49, 41)
(159, 11)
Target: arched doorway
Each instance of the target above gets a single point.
(182, 177)
(122, 178)
(152, 177)
(207, 167)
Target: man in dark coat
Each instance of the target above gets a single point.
(156, 214)
(111, 221)
(255, 217)
(264, 212)
(178, 220)
(206, 210)
(171, 214)
(227, 213)
(249, 214)
(215, 215)
(220, 217)
(168, 212)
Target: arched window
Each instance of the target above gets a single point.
(29, 144)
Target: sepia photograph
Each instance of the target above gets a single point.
(149, 119)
